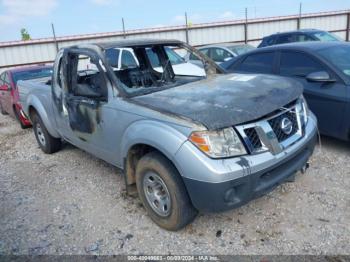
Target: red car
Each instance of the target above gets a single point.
(9, 97)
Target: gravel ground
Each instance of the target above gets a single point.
(73, 203)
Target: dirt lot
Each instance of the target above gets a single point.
(73, 203)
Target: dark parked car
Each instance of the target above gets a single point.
(303, 35)
(322, 67)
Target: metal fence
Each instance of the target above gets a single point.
(19, 53)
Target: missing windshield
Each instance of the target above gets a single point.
(154, 67)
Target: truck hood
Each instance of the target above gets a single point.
(225, 100)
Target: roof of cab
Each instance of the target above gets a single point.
(137, 42)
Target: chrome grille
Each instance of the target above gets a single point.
(267, 134)
(275, 124)
(253, 138)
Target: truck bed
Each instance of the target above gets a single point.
(37, 94)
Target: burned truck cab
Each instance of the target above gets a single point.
(189, 137)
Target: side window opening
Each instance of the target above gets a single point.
(60, 75)
(85, 78)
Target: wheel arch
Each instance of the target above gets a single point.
(35, 107)
(144, 137)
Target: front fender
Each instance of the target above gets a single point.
(161, 136)
(44, 113)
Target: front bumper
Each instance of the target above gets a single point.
(220, 184)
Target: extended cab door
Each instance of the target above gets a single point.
(81, 98)
(327, 100)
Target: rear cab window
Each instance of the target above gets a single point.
(112, 57)
(128, 60)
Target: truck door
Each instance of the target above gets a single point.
(80, 95)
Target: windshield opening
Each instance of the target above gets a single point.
(339, 57)
(147, 69)
(32, 74)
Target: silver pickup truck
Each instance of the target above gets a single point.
(186, 143)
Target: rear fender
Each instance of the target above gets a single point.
(44, 113)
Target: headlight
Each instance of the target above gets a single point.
(302, 110)
(217, 144)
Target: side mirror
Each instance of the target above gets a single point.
(321, 76)
(227, 59)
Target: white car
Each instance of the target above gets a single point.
(123, 58)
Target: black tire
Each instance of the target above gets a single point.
(47, 143)
(181, 211)
(3, 112)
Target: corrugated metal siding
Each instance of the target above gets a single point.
(259, 30)
(326, 23)
(42, 50)
(219, 34)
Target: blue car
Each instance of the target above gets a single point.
(322, 67)
(302, 35)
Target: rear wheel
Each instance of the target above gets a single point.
(47, 143)
(163, 193)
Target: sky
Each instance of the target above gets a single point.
(97, 16)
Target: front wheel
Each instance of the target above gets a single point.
(47, 143)
(163, 193)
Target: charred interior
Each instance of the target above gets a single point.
(152, 66)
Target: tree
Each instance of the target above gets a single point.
(25, 35)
